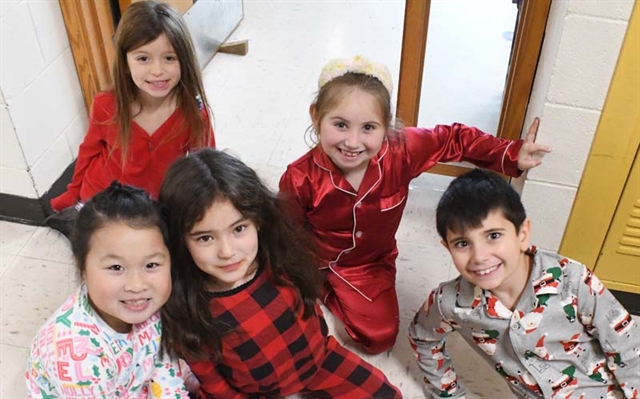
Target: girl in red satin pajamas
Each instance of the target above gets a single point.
(351, 188)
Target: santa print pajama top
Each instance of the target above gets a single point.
(149, 156)
(567, 337)
(355, 231)
(271, 351)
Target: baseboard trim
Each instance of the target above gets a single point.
(33, 211)
(629, 300)
(23, 210)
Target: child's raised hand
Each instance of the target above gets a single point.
(530, 154)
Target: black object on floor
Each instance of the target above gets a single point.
(63, 221)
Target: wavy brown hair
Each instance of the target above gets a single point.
(142, 23)
(287, 254)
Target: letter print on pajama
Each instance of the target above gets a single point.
(76, 354)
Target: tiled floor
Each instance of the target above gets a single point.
(260, 103)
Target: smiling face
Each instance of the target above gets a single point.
(353, 131)
(154, 68)
(128, 274)
(224, 245)
(493, 256)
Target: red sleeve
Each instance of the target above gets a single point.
(212, 384)
(456, 143)
(294, 192)
(89, 149)
(208, 128)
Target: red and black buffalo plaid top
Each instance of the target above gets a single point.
(272, 352)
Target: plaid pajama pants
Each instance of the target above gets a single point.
(344, 375)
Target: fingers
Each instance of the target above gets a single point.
(533, 148)
(533, 130)
(529, 163)
(532, 156)
(531, 137)
(531, 153)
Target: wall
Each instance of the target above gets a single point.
(43, 119)
(582, 43)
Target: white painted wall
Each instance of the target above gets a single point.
(582, 43)
(43, 118)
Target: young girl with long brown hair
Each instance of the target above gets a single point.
(243, 309)
(156, 112)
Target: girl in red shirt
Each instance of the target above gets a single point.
(351, 188)
(243, 310)
(156, 112)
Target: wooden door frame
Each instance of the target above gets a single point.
(532, 20)
(90, 29)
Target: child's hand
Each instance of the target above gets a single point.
(530, 154)
(191, 382)
(64, 200)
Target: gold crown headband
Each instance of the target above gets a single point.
(358, 64)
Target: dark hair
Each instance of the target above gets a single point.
(116, 204)
(190, 187)
(142, 23)
(334, 91)
(471, 197)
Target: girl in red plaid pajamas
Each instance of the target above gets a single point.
(243, 309)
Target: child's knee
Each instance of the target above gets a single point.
(380, 339)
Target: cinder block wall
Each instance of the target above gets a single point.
(582, 43)
(43, 118)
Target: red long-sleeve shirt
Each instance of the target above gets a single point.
(149, 155)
